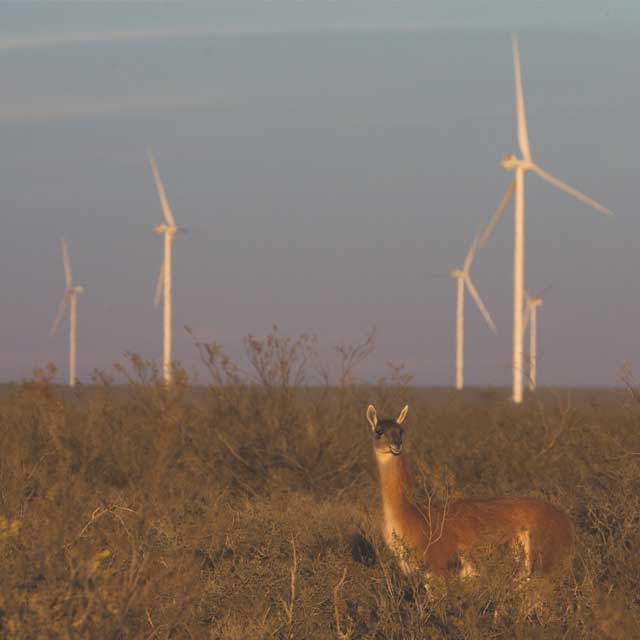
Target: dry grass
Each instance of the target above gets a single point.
(250, 509)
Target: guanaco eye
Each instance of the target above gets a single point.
(379, 433)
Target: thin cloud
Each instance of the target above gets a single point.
(71, 39)
(42, 41)
(122, 106)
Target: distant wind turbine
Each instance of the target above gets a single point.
(521, 166)
(463, 279)
(531, 321)
(163, 286)
(70, 297)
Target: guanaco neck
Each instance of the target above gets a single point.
(395, 486)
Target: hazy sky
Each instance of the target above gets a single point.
(327, 157)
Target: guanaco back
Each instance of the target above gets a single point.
(447, 537)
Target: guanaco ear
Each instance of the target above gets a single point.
(372, 417)
(403, 414)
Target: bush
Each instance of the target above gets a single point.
(250, 509)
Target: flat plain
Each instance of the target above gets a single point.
(250, 508)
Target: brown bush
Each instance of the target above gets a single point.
(249, 509)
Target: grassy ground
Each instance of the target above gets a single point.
(251, 509)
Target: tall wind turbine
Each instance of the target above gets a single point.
(463, 279)
(521, 166)
(71, 298)
(531, 321)
(163, 287)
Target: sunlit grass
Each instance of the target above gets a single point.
(250, 509)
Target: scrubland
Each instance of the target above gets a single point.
(249, 508)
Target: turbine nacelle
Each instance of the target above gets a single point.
(511, 162)
(75, 291)
(165, 228)
(457, 273)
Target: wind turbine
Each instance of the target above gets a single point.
(531, 321)
(70, 297)
(463, 279)
(521, 166)
(163, 286)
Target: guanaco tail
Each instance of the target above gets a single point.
(446, 537)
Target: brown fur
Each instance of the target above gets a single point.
(444, 536)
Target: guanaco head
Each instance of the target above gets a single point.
(387, 433)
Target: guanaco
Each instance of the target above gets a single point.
(446, 538)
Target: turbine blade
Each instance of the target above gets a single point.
(60, 313)
(478, 300)
(472, 252)
(65, 260)
(498, 214)
(159, 286)
(563, 186)
(523, 136)
(162, 194)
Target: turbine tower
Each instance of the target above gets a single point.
(464, 280)
(531, 321)
(521, 166)
(71, 298)
(163, 286)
